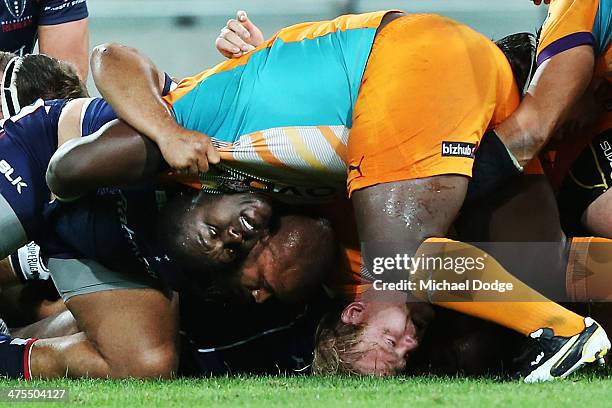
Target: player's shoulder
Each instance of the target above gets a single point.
(95, 113)
(40, 112)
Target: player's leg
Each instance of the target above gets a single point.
(584, 197)
(405, 174)
(125, 333)
(128, 328)
(57, 325)
(520, 227)
(585, 203)
(400, 215)
(398, 218)
(596, 218)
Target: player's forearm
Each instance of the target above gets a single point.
(82, 165)
(557, 86)
(133, 86)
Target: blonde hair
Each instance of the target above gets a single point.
(335, 345)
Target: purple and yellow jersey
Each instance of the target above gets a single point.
(572, 23)
(284, 111)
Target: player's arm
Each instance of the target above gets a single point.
(115, 155)
(133, 86)
(557, 85)
(566, 59)
(239, 36)
(63, 33)
(68, 42)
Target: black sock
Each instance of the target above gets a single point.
(15, 357)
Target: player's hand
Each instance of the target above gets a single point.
(239, 36)
(538, 2)
(189, 152)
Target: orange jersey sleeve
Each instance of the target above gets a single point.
(570, 23)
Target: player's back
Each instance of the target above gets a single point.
(287, 106)
(27, 142)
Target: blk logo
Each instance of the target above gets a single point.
(8, 171)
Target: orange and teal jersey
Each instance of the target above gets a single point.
(284, 111)
(572, 23)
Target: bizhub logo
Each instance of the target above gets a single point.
(8, 170)
(458, 149)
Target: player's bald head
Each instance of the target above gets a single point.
(292, 262)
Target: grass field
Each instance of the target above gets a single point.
(304, 392)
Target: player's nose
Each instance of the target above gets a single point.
(407, 344)
(234, 235)
(260, 295)
(408, 341)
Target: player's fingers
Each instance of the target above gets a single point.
(226, 48)
(239, 29)
(187, 167)
(212, 155)
(194, 166)
(234, 39)
(202, 165)
(254, 31)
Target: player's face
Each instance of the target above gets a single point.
(224, 228)
(267, 273)
(392, 330)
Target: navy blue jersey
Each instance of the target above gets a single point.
(112, 226)
(96, 114)
(19, 20)
(27, 142)
(220, 338)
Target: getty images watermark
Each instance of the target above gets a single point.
(453, 273)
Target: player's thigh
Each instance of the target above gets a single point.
(126, 317)
(597, 218)
(112, 319)
(523, 210)
(399, 215)
(584, 197)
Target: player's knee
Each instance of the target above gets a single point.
(159, 362)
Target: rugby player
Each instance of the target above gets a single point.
(568, 97)
(60, 356)
(35, 76)
(400, 201)
(334, 338)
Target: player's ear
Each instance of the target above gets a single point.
(354, 313)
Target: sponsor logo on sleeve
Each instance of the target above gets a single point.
(8, 171)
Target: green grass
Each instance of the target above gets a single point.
(303, 392)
